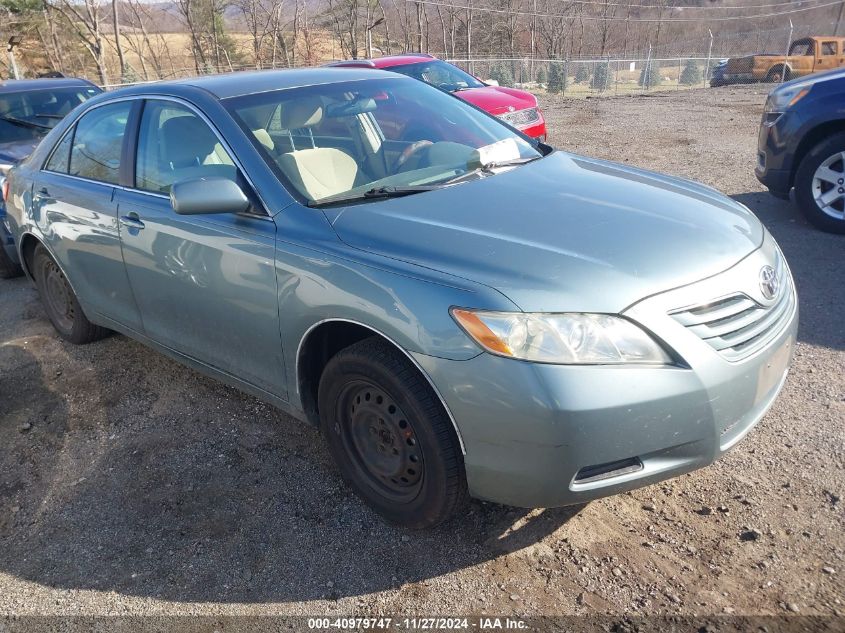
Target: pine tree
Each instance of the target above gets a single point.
(601, 76)
(691, 74)
(557, 77)
(541, 75)
(582, 74)
(502, 73)
(650, 75)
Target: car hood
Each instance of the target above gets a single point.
(11, 153)
(497, 99)
(564, 233)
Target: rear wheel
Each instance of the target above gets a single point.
(390, 436)
(60, 302)
(777, 74)
(820, 184)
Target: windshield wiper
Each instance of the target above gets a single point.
(22, 122)
(371, 194)
(489, 169)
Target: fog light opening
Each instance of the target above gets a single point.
(600, 472)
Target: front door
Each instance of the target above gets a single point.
(205, 284)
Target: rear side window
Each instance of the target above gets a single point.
(98, 142)
(175, 144)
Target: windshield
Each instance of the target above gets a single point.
(439, 74)
(331, 139)
(29, 115)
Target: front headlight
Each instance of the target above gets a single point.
(565, 338)
(779, 100)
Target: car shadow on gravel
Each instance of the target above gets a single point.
(813, 256)
(190, 491)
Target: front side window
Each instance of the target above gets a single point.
(828, 48)
(29, 115)
(175, 144)
(333, 139)
(98, 142)
(439, 74)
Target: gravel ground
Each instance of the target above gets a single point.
(132, 485)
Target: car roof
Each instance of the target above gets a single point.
(26, 85)
(242, 83)
(387, 61)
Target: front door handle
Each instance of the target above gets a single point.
(132, 221)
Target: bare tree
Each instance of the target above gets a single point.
(85, 18)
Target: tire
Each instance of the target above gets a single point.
(390, 435)
(777, 74)
(60, 302)
(821, 178)
(8, 268)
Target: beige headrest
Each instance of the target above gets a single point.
(263, 137)
(302, 113)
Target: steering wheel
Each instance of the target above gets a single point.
(409, 151)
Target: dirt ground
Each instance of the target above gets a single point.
(130, 485)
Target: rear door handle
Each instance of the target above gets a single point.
(131, 220)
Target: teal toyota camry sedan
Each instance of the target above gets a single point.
(462, 311)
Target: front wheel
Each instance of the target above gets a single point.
(820, 184)
(390, 436)
(60, 302)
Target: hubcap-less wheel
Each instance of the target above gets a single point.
(829, 186)
(58, 296)
(381, 441)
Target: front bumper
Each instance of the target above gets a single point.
(534, 434)
(775, 154)
(7, 240)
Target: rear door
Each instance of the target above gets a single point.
(205, 284)
(827, 55)
(74, 203)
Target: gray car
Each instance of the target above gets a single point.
(462, 311)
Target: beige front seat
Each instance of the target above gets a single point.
(317, 172)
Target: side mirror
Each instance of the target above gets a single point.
(491, 82)
(207, 195)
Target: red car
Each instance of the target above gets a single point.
(516, 107)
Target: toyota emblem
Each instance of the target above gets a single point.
(769, 282)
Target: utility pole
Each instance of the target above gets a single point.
(15, 40)
(370, 37)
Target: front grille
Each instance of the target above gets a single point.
(736, 326)
(521, 118)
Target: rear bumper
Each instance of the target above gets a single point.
(537, 435)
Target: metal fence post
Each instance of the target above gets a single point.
(788, 45)
(616, 79)
(565, 76)
(709, 54)
(647, 70)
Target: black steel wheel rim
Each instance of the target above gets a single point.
(381, 441)
(58, 297)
